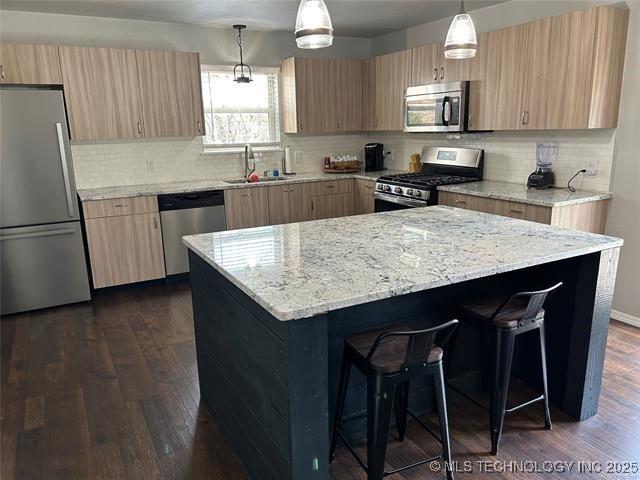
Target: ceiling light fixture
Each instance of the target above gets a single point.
(461, 39)
(242, 78)
(313, 25)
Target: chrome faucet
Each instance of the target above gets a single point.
(248, 154)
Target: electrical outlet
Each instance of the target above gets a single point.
(388, 156)
(591, 167)
(151, 166)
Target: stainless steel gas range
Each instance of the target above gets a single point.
(440, 166)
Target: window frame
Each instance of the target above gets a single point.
(275, 126)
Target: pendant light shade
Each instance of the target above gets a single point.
(239, 69)
(313, 25)
(461, 39)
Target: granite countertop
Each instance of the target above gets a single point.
(202, 185)
(303, 269)
(515, 192)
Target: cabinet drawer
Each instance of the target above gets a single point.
(120, 206)
(328, 187)
(532, 213)
(365, 186)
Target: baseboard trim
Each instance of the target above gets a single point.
(625, 318)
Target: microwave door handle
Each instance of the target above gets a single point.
(446, 111)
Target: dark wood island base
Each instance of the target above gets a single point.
(270, 385)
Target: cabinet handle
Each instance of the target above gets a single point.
(339, 127)
(301, 125)
(2, 72)
(461, 202)
(329, 186)
(441, 73)
(245, 194)
(155, 223)
(121, 205)
(311, 204)
(435, 74)
(375, 122)
(520, 212)
(525, 117)
(199, 125)
(139, 128)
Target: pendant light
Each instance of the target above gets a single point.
(241, 78)
(461, 39)
(313, 25)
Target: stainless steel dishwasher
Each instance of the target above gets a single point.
(188, 214)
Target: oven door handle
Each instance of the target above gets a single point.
(409, 202)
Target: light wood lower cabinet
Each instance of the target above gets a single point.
(363, 196)
(330, 206)
(588, 217)
(286, 204)
(125, 249)
(247, 207)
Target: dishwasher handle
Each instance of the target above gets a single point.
(181, 201)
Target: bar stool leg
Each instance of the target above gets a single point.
(401, 405)
(441, 400)
(503, 351)
(380, 395)
(342, 395)
(543, 354)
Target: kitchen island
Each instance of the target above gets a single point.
(272, 305)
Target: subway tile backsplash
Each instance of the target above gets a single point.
(509, 156)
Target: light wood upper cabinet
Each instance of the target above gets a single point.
(349, 94)
(608, 65)
(392, 73)
(570, 70)
(321, 95)
(171, 93)
(102, 93)
(29, 64)
(369, 94)
(425, 64)
(246, 207)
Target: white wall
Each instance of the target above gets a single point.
(216, 46)
(624, 215)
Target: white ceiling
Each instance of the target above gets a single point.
(360, 18)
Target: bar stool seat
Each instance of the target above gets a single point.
(390, 354)
(509, 315)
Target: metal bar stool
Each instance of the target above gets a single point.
(508, 318)
(389, 360)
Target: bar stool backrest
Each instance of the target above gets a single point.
(536, 302)
(419, 343)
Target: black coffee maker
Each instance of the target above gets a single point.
(373, 157)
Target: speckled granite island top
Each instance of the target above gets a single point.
(105, 193)
(515, 192)
(302, 269)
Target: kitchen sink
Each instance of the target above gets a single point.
(262, 179)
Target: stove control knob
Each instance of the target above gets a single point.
(410, 192)
(417, 193)
(387, 188)
(379, 186)
(397, 190)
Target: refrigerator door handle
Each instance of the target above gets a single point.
(65, 169)
(40, 233)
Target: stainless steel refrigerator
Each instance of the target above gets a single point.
(42, 261)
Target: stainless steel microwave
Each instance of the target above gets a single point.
(440, 107)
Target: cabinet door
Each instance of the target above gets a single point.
(425, 65)
(570, 70)
(30, 64)
(101, 93)
(506, 110)
(288, 108)
(330, 206)
(369, 119)
(285, 204)
(485, 68)
(171, 93)
(125, 249)
(533, 67)
(349, 95)
(246, 207)
(316, 95)
(363, 197)
(392, 78)
(454, 70)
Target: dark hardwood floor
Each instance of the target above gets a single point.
(109, 390)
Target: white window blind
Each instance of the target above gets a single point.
(236, 114)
